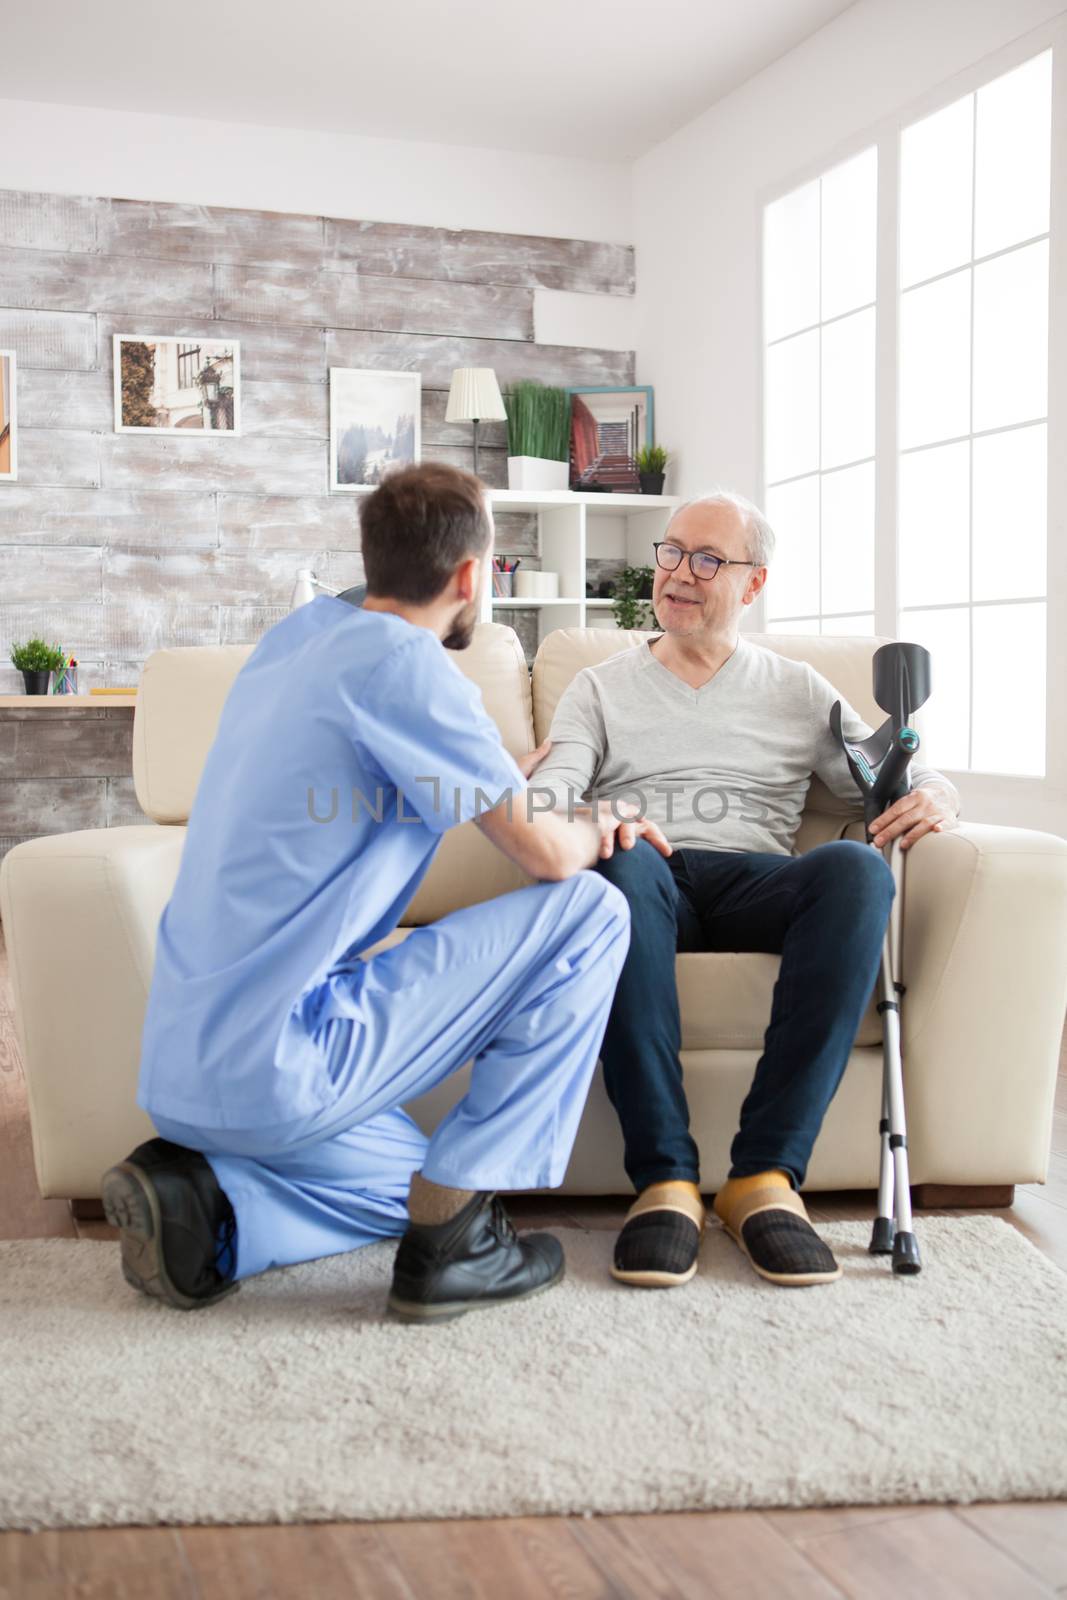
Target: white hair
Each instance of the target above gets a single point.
(759, 535)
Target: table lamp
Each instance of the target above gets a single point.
(307, 587)
(475, 397)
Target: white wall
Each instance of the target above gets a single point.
(78, 150)
(698, 200)
(605, 321)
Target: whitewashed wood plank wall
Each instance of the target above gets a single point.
(116, 544)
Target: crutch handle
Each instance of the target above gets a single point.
(893, 780)
(893, 773)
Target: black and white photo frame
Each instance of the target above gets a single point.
(375, 425)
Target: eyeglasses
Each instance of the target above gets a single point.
(702, 564)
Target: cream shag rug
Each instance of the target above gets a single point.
(294, 1401)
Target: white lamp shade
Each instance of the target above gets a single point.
(475, 396)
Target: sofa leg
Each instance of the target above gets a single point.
(944, 1196)
(87, 1210)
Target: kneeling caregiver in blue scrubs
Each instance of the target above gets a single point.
(275, 1061)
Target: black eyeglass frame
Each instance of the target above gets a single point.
(708, 555)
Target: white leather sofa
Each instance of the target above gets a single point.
(985, 954)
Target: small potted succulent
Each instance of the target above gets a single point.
(37, 661)
(539, 436)
(652, 468)
(633, 587)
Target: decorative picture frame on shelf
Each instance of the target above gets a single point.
(9, 469)
(609, 425)
(189, 385)
(375, 426)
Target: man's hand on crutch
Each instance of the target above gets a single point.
(927, 809)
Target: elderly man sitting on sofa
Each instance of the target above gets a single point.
(715, 738)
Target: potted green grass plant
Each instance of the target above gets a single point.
(651, 468)
(37, 661)
(539, 436)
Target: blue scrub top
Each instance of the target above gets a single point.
(339, 717)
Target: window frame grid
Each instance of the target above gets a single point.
(766, 345)
(998, 793)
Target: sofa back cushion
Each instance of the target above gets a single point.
(181, 694)
(845, 661)
(467, 868)
(179, 701)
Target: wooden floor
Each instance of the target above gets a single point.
(903, 1553)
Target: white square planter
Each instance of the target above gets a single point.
(533, 472)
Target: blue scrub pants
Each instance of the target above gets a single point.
(523, 984)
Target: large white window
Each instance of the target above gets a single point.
(819, 275)
(964, 447)
(973, 398)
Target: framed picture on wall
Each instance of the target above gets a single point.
(8, 424)
(608, 428)
(375, 425)
(189, 385)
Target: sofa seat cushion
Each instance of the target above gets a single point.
(725, 998)
(726, 1001)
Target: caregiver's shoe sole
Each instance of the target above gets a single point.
(407, 1311)
(131, 1205)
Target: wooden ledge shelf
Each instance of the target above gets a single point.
(65, 702)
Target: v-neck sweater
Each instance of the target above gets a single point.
(726, 766)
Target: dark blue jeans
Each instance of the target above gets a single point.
(824, 912)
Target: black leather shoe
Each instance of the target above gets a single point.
(177, 1225)
(474, 1261)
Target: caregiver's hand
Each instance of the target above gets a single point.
(527, 763)
(627, 829)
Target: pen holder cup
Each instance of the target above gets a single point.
(503, 584)
(65, 681)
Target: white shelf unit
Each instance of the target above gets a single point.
(572, 529)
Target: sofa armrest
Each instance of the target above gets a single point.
(985, 968)
(80, 913)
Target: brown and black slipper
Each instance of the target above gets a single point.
(659, 1242)
(773, 1229)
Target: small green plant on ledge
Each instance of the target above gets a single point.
(652, 458)
(539, 421)
(633, 590)
(36, 656)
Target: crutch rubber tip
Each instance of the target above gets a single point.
(906, 1256)
(882, 1237)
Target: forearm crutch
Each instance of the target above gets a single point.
(880, 765)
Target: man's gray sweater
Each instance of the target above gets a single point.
(723, 767)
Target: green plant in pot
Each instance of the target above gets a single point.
(539, 436)
(36, 661)
(652, 468)
(633, 589)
